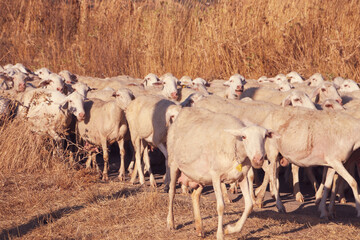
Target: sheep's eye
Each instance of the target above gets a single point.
(243, 137)
(296, 99)
(346, 85)
(323, 89)
(281, 88)
(231, 81)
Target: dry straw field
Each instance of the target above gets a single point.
(43, 196)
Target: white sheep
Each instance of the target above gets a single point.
(104, 124)
(149, 117)
(211, 148)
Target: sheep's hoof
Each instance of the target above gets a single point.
(300, 198)
(342, 200)
(166, 188)
(105, 178)
(200, 233)
(121, 178)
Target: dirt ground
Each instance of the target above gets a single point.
(83, 207)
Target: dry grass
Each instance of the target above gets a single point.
(42, 197)
(107, 38)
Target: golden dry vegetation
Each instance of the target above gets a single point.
(43, 196)
(254, 38)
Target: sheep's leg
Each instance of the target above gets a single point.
(319, 192)
(88, 161)
(233, 187)
(220, 206)
(138, 152)
(340, 169)
(341, 191)
(106, 159)
(244, 185)
(195, 196)
(250, 176)
(274, 180)
(296, 185)
(328, 181)
(122, 160)
(162, 148)
(224, 193)
(148, 166)
(311, 176)
(131, 166)
(174, 174)
(334, 190)
(272, 154)
(261, 190)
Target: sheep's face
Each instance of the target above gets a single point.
(151, 80)
(236, 86)
(315, 80)
(253, 139)
(294, 77)
(75, 104)
(263, 79)
(349, 85)
(170, 87)
(280, 78)
(81, 88)
(200, 81)
(20, 82)
(124, 97)
(330, 104)
(285, 86)
(54, 82)
(43, 73)
(185, 81)
(328, 91)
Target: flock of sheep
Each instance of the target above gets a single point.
(209, 133)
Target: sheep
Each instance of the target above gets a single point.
(211, 148)
(185, 81)
(331, 104)
(315, 80)
(294, 77)
(148, 118)
(235, 87)
(68, 77)
(104, 124)
(43, 73)
(285, 86)
(5, 109)
(338, 81)
(349, 85)
(23, 69)
(305, 137)
(53, 82)
(49, 111)
(299, 99)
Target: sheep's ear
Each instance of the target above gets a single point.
(247, 122)
(286, 101)
(315, 94)
(239, 133)
(45, 83)
(227, 83)
(132, 84)
(65, 105)
(114, 94)
(272, 134)
(329, 105)
(145, 82)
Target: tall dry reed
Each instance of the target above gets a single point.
(108, 37)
